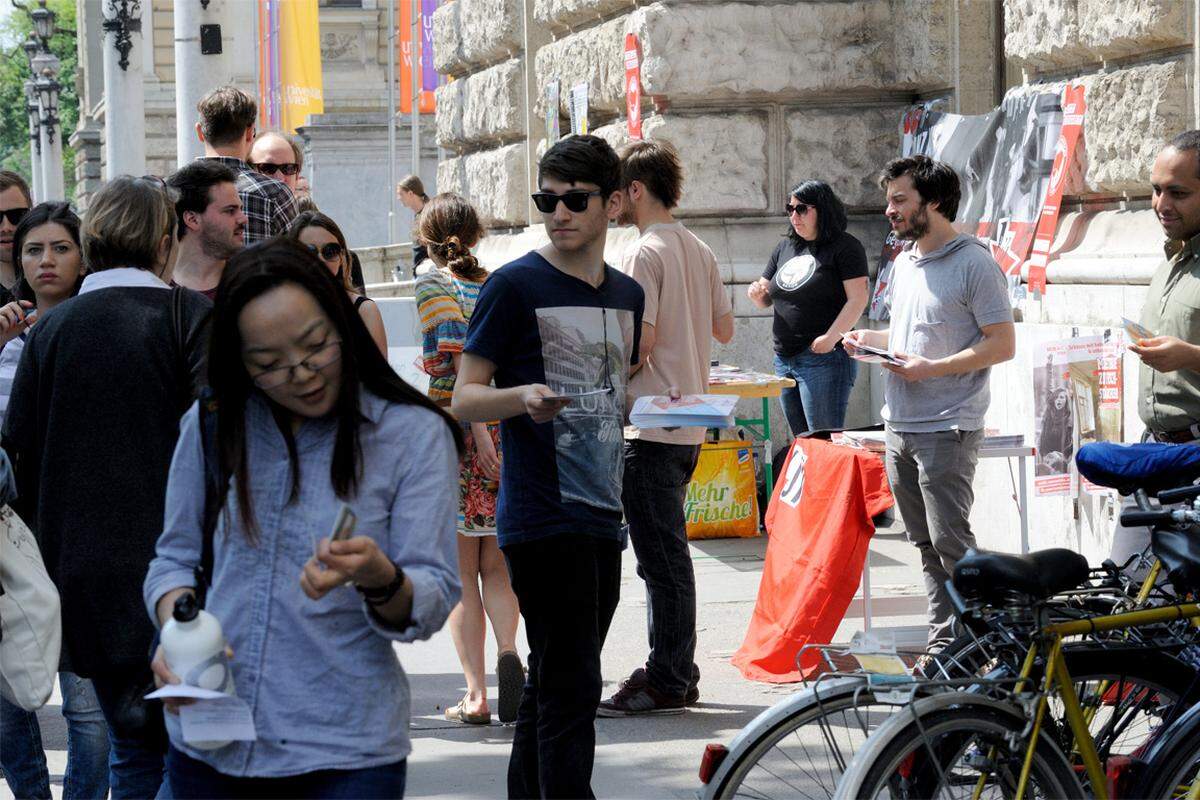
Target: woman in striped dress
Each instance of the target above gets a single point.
(446, 298)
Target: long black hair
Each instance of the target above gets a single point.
(831, 213)
(251, 273)
(36, 217)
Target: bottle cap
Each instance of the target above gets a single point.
(186, 608)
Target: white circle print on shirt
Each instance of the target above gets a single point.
(796, 272)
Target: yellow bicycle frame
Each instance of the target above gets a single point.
(1058, 677)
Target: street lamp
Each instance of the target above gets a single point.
(47, 90)
(31, 109)
(43, 21)
(31, 48)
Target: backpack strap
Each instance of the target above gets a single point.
(216, 484)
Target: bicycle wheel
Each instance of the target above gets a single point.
(1172, 765)
(801, 753)
(942, 748)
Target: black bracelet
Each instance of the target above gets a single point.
(381, 595)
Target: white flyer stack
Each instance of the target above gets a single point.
(689, 411)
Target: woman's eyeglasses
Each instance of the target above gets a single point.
(271, 169)
(321, 359)
(328, 252)
(575, 200)
(799, 208)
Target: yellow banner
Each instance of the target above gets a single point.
(300, 84)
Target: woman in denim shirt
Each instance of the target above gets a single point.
(309, 416)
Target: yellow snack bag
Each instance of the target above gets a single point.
(721, 499)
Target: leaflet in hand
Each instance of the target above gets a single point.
(1136, 330)
(873, 355)
(689, 411)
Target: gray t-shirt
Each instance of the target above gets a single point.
(938, 304)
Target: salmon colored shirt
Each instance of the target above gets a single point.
(684, 295)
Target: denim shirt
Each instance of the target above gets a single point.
(321, 677)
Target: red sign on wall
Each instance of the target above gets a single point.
(633, 85)
(1074, 106)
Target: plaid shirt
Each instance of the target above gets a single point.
(267, 203)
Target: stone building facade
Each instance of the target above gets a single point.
(344, 146)
(761, 94)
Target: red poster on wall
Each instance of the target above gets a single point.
(1074, 106)
(633, 85)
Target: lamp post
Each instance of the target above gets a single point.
(200, 65)
(124, 97)
(47, 88)
(35, 139)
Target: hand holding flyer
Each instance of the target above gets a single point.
(1137, 332)
(874, 355)
(689, 411)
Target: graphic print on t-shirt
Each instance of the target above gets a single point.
(585, 348)
(796, 272)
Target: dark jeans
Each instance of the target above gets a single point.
(568, 587)
(823, 383)
(195, 780)
(656, 480)
(136, 733)
(24, 761)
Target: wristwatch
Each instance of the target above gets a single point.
(381, 595)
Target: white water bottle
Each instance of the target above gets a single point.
(194, 647)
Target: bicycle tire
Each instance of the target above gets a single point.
(1166, 772)
(896, 761)
(1148, 668)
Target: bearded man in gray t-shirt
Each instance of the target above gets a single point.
(951, 321)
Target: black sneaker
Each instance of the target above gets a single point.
(636, 697)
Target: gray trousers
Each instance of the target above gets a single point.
(931, 475)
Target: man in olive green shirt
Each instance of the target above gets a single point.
(1169, 376)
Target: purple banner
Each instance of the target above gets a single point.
(429, 76)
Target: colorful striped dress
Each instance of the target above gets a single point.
(445, 304)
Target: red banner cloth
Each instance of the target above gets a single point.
(819, 521)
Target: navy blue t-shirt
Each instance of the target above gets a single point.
(539, 325)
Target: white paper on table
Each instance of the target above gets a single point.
(227, 718)
(183, 690)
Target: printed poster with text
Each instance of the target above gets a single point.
(1076, 401)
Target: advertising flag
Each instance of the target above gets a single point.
(633, 85)
(412, 57)
(300, 84)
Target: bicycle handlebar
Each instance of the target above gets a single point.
(1179, 495)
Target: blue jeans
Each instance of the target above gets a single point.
(23, 758)
(191, 778)
(656, 480)
(136, 733)
(823, 384)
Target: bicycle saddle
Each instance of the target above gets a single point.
(991, 576)
(1152, 466)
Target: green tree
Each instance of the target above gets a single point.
(14, 70)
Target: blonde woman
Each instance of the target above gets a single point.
(91, 429)
(322, 235)
(446, 299)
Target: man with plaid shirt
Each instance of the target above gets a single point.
(226, 128)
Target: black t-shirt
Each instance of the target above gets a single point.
(807, 290)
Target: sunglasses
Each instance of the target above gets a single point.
(328, 252)
(799, 208)
(14, 215)
(575, 200)
(271, 169)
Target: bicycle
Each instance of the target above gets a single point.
(1003, 739)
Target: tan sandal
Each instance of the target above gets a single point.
(459, 713)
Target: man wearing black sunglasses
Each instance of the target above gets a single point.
(15, 200)
(278, 157)
(558, 330)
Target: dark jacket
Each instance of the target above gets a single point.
(91, 431)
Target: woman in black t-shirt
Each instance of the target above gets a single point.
(816, 280)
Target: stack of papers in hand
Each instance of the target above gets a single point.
(689, 411)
